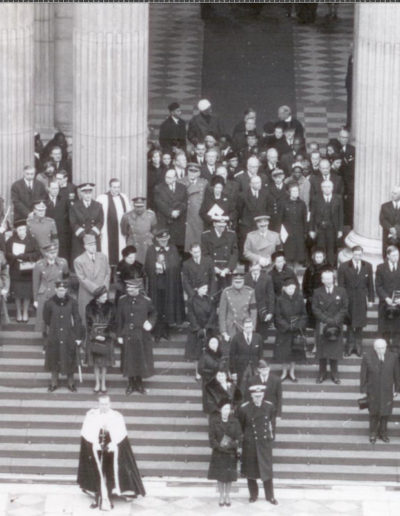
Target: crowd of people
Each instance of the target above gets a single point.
(238, 234)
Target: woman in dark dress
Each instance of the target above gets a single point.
(280, 272)
(225, 437)
(101, 326)
(222, 388)
(127, 269)
(22, 252)
(290, 320)
(312, 281)
(294, 218)
(202, 316)
(209, 363)
(155, 173)
(216, 196)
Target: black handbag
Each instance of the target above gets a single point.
(299, 341)
(363, 403)
(99, 347)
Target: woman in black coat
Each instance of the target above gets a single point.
(221, 388)
(216, 195)
(312, 281)
(225, 437)
(280, 272)
(22, 252)
(294, 218)
(155, 174)
(201, 314)
(290, 321)
(127, 269)
(208, 365)
(101, 327)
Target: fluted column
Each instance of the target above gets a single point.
(376, 111)
(63, 56)
(44, 69)
(16, 92)
(110, 95)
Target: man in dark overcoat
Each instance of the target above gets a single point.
(170, 199)
(135, 319)
(220, 244)
(173, 129)
(24, 191)
(389, 219)
(57, 208)
(261, 282)
(163, 272)
(356, 277)
(204, 123)
(245, 351)
(380, 381)
(326, 221)
(86, 217)
(330, 307)
(255, 418)
(387, 285)
(198, 270)
(64, 331)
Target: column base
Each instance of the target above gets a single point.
(372, 248)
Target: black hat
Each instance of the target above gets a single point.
(251, 133)
(223, 401)
(37, 202)
(86, 186)
(139, 201)
(262, 364)
(277, 254)
(269, 127)
(289, 281)
(99, 291)
(19, 223)
(231, 155)
(217, 180)
(61, 283)
(52, 246)
(238, 272)
(331, 332)
(277, 172)
(173, 106)
(129, 249)
(161, 233)
(336, 156)
(134, 282)
(193, 167)
(263, 216)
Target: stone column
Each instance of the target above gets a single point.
(110, 95)
(16, 92)
(63, 81)
(376, 124)
(44, 69)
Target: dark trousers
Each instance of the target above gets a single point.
(378, 426)
(268, 488)
(326, 238)
(354, 340)
(333, 364)
(161, 326)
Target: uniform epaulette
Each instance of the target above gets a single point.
(238, 173)
(245, 403)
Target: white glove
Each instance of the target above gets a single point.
(147, 326)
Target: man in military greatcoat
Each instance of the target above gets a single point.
(387, 285)
(45, 273)
(86, 217)
(57, 208)
(237, 303)
(137, 226)
(255, 418)
(220, 244)
(136, 317)
(330, 307)
(380, 381)
(64, 331)
(262, 243)
(356, 277)
(93, 272)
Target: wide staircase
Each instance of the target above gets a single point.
(322, 435)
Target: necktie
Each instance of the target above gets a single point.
(326, 198)
(30, 186)
(255, 277)
(172, 188)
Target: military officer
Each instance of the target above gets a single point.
(46, 272)
(237, 303)
(86, 217)
(136, 317)
(43, 229)
(137, 226)
(220, 244)
(255, 418)
(261, 243)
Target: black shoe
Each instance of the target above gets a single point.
(129, 389)
(72, 388)
(321, 378)
(228, 504)
(335, 379)
(385, 438)
(358, 353)
(140, 388)
(273, 501)
(347, 354)
(221, 504)
(52, 388)
(252, 499)
(94, 505)
(372, 439)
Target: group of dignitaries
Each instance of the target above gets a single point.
(218, 242)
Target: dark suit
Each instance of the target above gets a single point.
(244, 356)
(201, 125)
(360, 288)
(277, 197)
(60, 213)
(166, 201)
(297, 126)
(22, 197)
(196, 274)
(327, 220)
(171, 131)
(389, 217)
(316, 181)
(378, 380)
(386, 282)
(265, 299)
(243, 179)
(86, 218)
